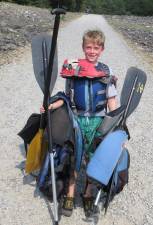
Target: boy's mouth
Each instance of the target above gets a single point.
(91, 56)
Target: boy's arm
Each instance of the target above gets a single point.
(53, 105)
(56, 104)
(112, 103)
(111, 97)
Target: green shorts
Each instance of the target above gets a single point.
(89, 127)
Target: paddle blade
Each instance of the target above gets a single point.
(35, 153)
(133, 88)
(103, 162)
(37, 59)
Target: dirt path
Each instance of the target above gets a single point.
(20, 201)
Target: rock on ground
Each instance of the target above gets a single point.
(20, 23)
(138, 29)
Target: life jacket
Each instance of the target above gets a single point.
(88, 84)
(83, 68)
(89, 95)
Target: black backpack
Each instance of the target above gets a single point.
(31, 128)
(120, 176)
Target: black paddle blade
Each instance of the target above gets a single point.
(37, 59)
(132, 89)
(109, 196)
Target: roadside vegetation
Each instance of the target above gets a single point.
(115, 7)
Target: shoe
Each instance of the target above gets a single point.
(67, 206)
(88, 205)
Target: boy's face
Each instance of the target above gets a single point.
(92, 51)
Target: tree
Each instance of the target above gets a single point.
(140, 7)
(78, 4)
(69, 4)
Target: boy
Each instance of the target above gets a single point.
(91, 90)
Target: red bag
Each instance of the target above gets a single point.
(82, 68)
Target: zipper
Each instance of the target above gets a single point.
(91, 96)
(87, 96)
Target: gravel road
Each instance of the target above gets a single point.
(20, 201)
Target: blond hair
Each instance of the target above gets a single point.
(94, 36)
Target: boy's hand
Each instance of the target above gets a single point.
(54, 105)
(50, 106)
(42, 110)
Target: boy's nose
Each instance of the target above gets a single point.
(92, 50)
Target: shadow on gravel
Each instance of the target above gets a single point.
(22, 150)
(31, 179)
(50, 210)
(49, 204)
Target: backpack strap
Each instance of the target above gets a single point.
(70, 92)
(109, 79)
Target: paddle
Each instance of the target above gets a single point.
(132, 90)
(35, 151)
(38, 61)
(104, 172)
(35, 148)
(131, 93)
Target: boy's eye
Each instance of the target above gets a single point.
(97, 47)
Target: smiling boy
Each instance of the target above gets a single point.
(91, 89)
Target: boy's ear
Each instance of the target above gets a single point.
(102, 48)
(82, 46)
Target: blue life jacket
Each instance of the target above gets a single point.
(89, 95)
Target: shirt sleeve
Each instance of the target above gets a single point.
(111, 91)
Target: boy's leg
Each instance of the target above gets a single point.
(72, 184)
(68, 203)
(88, 200)
(88, 191)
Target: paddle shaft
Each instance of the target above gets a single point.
(48, 67)
(50, 150)
(47, 76)
(48, 80)
(45, 69)
(129, 101)
(45, 65)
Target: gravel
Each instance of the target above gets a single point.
(20, 23)
(138, 33)
(137, 29)
(20, 201)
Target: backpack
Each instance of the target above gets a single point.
(62, 157)
(120, 175)
(31, 128)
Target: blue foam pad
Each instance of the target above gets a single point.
(106, 156)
